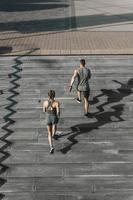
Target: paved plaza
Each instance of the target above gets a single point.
(93, 157)
(66, 27)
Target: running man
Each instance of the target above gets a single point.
(83, 74)
(52, 109)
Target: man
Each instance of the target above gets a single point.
(83, 74)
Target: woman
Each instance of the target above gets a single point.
(52, 109)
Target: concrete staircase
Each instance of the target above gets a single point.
(93, 157)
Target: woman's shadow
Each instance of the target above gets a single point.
(103, 117)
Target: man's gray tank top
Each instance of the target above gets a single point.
(84, 75)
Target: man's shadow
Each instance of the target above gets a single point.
(114, 96)
(103, 117)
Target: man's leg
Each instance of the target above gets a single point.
(86, 105)
(79, 97)
(86, 101)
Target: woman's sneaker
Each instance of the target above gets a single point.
(88, 115)
(51, 150)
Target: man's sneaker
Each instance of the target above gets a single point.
(78, 100)
(51, 150)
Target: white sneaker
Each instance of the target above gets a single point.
(78, 100)
(52, 150)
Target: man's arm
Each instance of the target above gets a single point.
(89, 74)
(72, 79)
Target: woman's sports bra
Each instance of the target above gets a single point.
(50, 109)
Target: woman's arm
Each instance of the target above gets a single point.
(58, 109)
(44, 106)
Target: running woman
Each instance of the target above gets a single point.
(52, 109)
(83, 74)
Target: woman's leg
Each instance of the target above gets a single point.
(49, 128)
(54, 129)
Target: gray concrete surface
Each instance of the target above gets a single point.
(93, 157)
(35, 16)
(104, 15)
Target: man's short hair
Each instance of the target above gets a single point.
(82, 62)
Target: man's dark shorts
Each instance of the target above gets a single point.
(86, 94)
